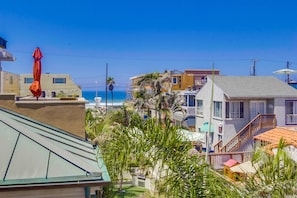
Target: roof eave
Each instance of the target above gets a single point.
(80, 183)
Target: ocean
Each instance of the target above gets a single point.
(118, 97)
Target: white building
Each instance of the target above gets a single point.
(237, 102)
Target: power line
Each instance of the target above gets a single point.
(133, 58)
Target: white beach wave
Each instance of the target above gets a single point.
(102, 104)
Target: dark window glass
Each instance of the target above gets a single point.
(28, 80)
(59, 80)
(227, 110)
(191, 100)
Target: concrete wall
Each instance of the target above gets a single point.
(68, 115)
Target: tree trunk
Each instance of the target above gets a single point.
(121, 183)
(112, 98)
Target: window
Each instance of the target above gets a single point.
(185, 102)
(174, 80)
(59, 80)
(199, 107)
(28, 80)
(203, 79)
(291, 112)
(191, 101)
(220, 137)
(217, 109)
(11, 80)
(234, 109)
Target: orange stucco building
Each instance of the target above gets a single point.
(191, 79)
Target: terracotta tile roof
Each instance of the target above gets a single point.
(274, 135)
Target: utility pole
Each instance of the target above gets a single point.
(96, 97)
(106, 69)
(253, 69)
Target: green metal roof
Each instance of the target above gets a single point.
(35, 153)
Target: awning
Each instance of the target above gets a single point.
(6, 56)
(205, 128)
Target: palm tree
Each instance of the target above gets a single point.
(143, 97)
(159, 150)
(276, 175)
(171, 103)
(111, 82)
(92, 124)
(152, 87)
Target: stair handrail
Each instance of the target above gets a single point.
(247, 126)
(218, 145)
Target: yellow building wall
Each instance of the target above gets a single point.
(69, 89)
(187, 81)
(10, 83)
(184, 82)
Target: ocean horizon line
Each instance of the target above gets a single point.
(103, 90)
(116, 97)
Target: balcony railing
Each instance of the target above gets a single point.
(217, 160)
(291, 119)
(259, 122)
(217, 146)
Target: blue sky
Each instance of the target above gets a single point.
(139, 36)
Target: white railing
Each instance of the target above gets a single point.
(291, 119)
(191, 110)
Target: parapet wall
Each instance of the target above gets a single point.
(68, 114)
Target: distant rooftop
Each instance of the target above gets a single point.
(2, 43)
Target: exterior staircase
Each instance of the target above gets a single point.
(244, 138)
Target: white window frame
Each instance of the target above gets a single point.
(199, 109)
(234, 109)
(217, 109)
(174, 80)
(291, 112)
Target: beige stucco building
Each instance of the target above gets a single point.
(9, 83)
(52, 85)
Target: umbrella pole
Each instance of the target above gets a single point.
(288, 75)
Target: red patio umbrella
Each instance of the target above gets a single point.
(35, 86)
